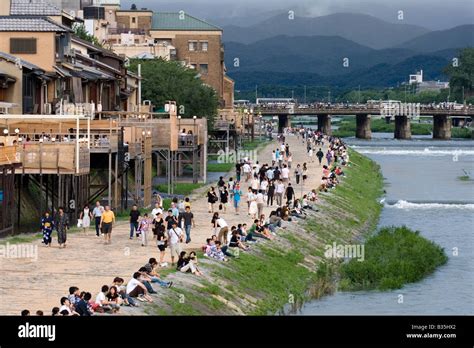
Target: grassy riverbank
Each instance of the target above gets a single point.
(291, 269)
(394, 257)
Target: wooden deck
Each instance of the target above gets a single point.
(53, 158)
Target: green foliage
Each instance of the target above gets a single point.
(393, 257)
(457, 132)
(81, 32)
(169, 80)
(462, 75)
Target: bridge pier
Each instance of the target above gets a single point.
(324, 124)
(283, 122)
(363, 130)
(402, 127)
(441, 127)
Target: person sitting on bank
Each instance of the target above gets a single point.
(188, 263)
(135, 288)
(153, 274)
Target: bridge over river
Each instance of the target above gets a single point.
(442, 117)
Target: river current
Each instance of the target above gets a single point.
(429, 187)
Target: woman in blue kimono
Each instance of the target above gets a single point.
(47, 228)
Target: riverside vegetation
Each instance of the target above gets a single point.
(394, 256)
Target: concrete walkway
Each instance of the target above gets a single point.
(88, 264)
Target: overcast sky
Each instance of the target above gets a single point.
(432, 14)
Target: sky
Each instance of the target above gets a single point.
(431, 14)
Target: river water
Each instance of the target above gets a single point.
(425, 193)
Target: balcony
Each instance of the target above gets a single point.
(8, 155)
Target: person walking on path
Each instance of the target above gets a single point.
(175, 237)
(279, 190)
(260, 199)
(237, 196)
(211, 199)
(97, 213)
(61, 222)
(188, 221)
(289, 194)
(270, 193)
(298, 173)
(143, 226)
(320, 155)
(305, 173)
(134, 216)
(47, 224)
(85, 218)
(106, 222)
(310, 154)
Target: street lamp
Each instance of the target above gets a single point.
(5, 131)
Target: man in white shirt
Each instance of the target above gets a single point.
(175, 236)
(279, 190)
(156, 210)
(97, 213)
(247, 170)
(285, 174)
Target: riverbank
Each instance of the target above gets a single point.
(284, 273)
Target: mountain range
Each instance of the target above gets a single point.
(375, 53)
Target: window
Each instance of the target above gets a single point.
(204, 45)
(134, 20)
(23, 46)
(203, 68)
(193, 66)
(192, 45)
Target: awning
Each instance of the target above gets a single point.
(5, 78)
(87, 72)
(62, 71)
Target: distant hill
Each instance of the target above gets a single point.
(460, 36)
(379, 75)
(359, 28)
(313, 54)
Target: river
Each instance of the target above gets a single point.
(424, 191)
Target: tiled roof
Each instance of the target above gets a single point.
(23, 23)
(24, 63)
(33, 8)
(176, 21)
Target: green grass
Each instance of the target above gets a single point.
(220, 167)
(179, 188)
(253, 145)
(457, 132)
(464, 178)
(393, 257)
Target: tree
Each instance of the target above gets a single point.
(461, 73)
(81, 32)
(165, 80)
(133, 7)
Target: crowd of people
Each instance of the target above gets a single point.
(278, 184)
